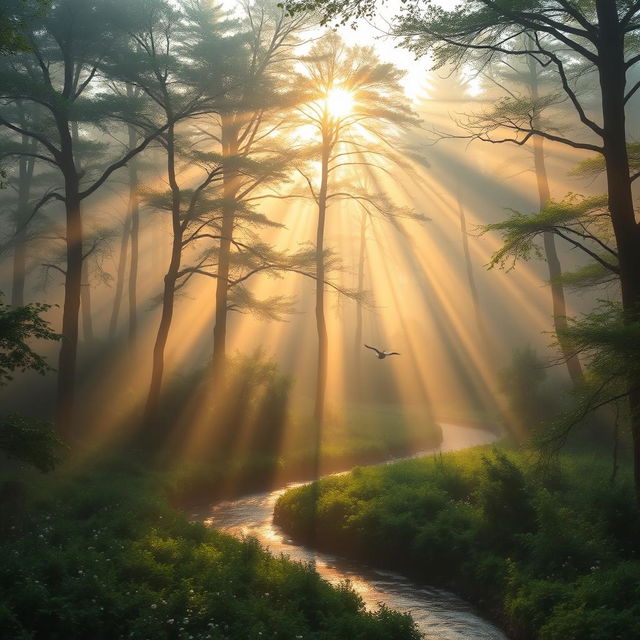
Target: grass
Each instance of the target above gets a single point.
(555, 557)
(100, 554)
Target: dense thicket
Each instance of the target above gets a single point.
(112, 560)
(552, 557)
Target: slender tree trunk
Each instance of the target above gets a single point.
(357, 346)
(71, 309)
(67, 361)
(134, 215)
(129, 235)
(85, 302)
(168, 295)
(555, 270)
(612, 83)
(321, 324)
(85, 286)
(134, 208)
(25, 176)
(553, 261)
(122, 261)
(230, 189)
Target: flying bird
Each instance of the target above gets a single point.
(382, 354)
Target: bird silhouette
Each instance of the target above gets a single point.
(382, 354)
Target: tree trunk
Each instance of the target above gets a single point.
(134, 209)
(168, 295)
(71, 309)
(612, 84)
(85, 290)
(357, 346)
(122, 261)
(321, 324)
(134, 215)
(85, 302)
(129, 234)
(25, 175)
(558, 304)
(230, 189)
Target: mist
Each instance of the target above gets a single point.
(246, 244)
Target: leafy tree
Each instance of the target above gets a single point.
(26, 439)
(15, 15)
(181, 68)
(253, 157)
(68, 48)
(530, 90)
(356, 137)
(17, 326)
(600, 34)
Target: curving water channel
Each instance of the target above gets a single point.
(440, 615)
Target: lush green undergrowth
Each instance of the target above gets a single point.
(364, 434)
(555, 557)
(101, 555)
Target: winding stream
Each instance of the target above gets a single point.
(439, 614)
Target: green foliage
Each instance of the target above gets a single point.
(590, 275)
(26, 439)
(17, 326)
(611, 344)
(595, 166)
(576, 219)
(14, 15)
(31, 441)
(549, 561)
(101, 555)
(531, 398)
(505, 501)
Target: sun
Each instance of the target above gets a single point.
(339, 102)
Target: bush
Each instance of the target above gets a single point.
(558, 561)
(103, 556)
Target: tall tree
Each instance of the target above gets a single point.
(355, 108)
(22, 182)
(529, 87)
(252, 156)
(129, 241)
(183, 67)
(59, 73)
(553, 261)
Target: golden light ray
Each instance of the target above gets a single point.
(418, 279)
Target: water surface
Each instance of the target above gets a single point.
(439, 614)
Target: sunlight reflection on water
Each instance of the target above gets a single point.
(439, 614)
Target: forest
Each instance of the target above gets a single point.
(296, 294)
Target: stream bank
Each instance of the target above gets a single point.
(438, 613)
